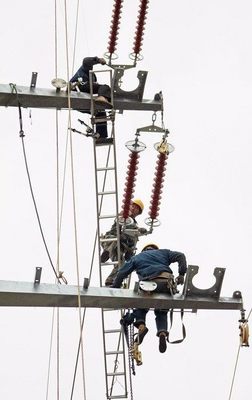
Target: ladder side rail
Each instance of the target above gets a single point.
(99, 205)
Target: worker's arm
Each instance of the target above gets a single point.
(123, 272)
(88, 62)
(176, 256)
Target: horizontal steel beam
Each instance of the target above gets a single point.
(26, 294)
(50, 98)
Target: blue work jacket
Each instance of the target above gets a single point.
(149, 264)
(83, 71)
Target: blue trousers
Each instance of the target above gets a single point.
(161, 315)
(161, 318)
(101, 90)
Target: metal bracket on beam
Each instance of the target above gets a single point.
(136, 94)
(212, 292)
(33, 80)
(86, 283)
(37, 275)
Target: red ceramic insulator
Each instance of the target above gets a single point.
(115, 22)
(130, 183)
(158, 185)
(140, 26)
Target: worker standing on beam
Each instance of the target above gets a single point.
(81, 80)
(153, 264)
(128, 240)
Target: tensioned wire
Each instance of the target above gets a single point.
(74, 202)
(60, 211)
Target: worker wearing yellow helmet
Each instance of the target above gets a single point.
(150, 246)
(153, 264)
(139, 203)
(128, 240)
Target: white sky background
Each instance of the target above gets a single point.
(199, 54)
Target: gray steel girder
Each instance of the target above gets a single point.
(26, 294)
(50, 98)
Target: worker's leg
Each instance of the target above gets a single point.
(161, 323)
(105, 91)
(101, 127)
(140, 316)
(161, 320)
(110, 278)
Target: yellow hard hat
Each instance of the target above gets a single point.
(152, 245)
(139, 203)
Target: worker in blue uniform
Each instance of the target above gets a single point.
(153, 264)
(82, 80)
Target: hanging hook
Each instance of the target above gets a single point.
(153, 127)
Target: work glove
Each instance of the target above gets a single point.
(102, 61)
(180, 280)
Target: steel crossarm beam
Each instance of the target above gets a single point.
(50, 98)
(26, 294)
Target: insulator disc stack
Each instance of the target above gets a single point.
(130, 183)
(158, 185)
(140, 26)
(115, 23)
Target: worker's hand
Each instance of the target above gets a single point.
(102, 61)
(142, 231)
(180, 280)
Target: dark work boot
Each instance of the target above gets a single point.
(104, 256)
(162, 342)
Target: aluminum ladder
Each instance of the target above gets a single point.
(107, 210)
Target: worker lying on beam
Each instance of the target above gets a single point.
(81, 79)
(153, 265)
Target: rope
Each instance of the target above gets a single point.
(75, 33)
(236, 363)
(50, 356)
(74, 206)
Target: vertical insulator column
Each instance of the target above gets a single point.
(140, 27)
(130, 183)
(158, 185)
(115, 22)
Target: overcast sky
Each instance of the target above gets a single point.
(199, 54)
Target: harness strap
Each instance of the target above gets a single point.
(183, 327)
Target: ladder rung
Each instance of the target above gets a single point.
(108, 192)
(105, 169)
(115, 373)
(122, 396)
(102, 119)
(111, 353)
(112, 330)
(113, 239)
(110, 263)
(106, 216)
